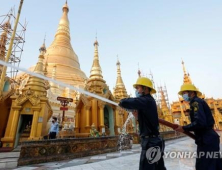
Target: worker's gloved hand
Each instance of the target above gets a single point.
(179, 129)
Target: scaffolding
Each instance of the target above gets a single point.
(154, 86)
(163, 95)
(6, 25)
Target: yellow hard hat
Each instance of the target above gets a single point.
(189, 87)
(143, 81)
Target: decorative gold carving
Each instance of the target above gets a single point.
(29, 95)
(101, 104)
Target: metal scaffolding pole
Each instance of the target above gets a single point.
(10, 48)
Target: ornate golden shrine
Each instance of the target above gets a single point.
(31, 105)
(93, 111)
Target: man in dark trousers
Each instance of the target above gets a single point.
(202, 123)
(54, 129)
(151, 157)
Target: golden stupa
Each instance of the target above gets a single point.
(61, 54)
(61, 63)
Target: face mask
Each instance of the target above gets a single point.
(186, 97)
(137, 94)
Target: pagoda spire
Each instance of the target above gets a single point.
(61, 54)
(34, 83)
(163, 99)
(96, 71)
(164, 104)
(186, 77)
(63, 28)
(119, 90)
(119, 81)
(42, 49)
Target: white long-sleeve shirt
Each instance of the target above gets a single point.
(54, 128)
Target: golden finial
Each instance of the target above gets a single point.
(43, 48)
(186, 78)
(65, 7)
(96, 42)
(139, 72)
(118, 63)
(184, 69)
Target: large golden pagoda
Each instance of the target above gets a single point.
(61, 63)
(61, 54)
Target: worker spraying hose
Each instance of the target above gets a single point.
(146, 112)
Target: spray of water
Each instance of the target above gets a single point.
(122, 136)
(130, 116)
(59, 83)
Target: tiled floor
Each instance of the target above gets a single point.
(123, 160)
(118, 160)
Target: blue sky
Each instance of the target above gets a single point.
(156, 34)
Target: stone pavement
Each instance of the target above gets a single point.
(120, 160)
(124, 160)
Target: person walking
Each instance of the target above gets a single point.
(54, 129)
(152, 144)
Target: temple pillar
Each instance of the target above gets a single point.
(117, 121)
(11, 129)
(88, 126)
(77, 122)
(94, 113)
(14, 123)
(101, 118)
(36, 111)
